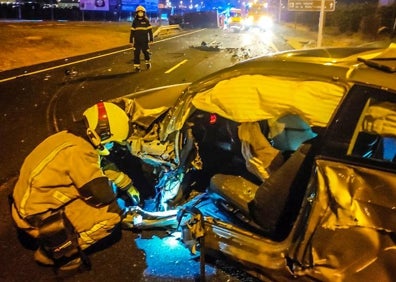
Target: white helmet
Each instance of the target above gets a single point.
(106, 122)
(140, 8)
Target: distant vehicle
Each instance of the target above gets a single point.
(258, 17)
(322, 207)
(233, 19)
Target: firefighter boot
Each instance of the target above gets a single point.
(41, 257)
(148, 65)
(136, 68)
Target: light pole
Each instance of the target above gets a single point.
(19, 10)
(321, 23)
(52, 10)
(279, 11)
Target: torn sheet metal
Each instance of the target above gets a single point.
(355, 209)
(140, 115)
(359, 197)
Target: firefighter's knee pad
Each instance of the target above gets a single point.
(57, 236)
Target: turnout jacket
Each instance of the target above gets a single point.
(62, 168)
(141, 31)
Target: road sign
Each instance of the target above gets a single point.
(130, 5)
(310, 5)
(94, 5)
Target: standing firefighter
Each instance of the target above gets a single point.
(141, 35)
(63, 198)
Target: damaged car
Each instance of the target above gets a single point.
(286, 164)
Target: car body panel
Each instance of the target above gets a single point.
(346, 213)
(351, 211)
(338, 211)
(357, 196)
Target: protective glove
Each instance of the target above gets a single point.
(130, 195)
(126, 191)
(134, 195)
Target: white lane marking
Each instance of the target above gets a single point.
(169, 38)
(89, 59)
(176, 66)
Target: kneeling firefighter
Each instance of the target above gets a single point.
(63, 198)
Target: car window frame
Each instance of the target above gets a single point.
(342, 127)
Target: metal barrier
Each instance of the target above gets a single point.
(166, 29)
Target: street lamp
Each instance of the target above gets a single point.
(279, 10)
(321, 23)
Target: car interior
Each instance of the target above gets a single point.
(268, 207)
(211, 135)
(375, 134)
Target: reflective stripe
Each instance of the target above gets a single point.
(61, 197)
(141, 28)
(119, 178)
(37, 171)
(86, 236)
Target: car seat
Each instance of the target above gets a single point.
(368, 145)
(272, 206)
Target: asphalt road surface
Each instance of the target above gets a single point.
(38, 100)
(30, 95)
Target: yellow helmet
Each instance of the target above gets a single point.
(106, 122)
(140, 8)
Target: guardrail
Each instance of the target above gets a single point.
(166, 29)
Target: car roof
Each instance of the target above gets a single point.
(339, 66)
(366, 65)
